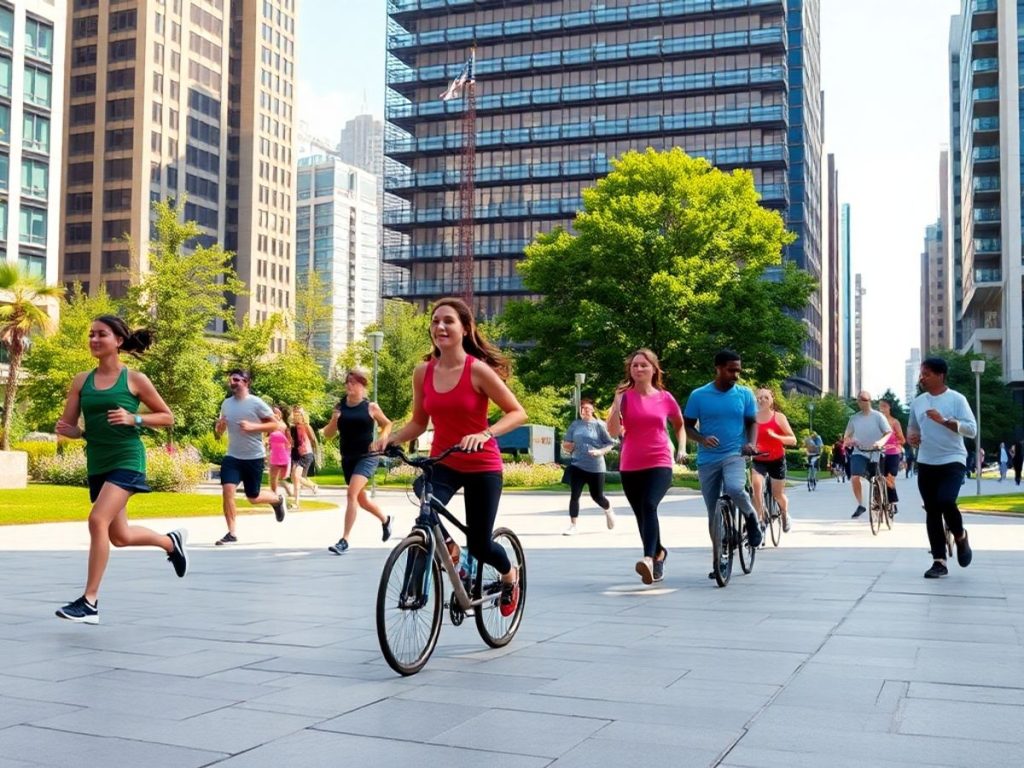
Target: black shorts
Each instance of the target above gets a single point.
(304, 462)
(358, 465)
(891, 463)
(776, 469)
(128, 479)
(248, 472)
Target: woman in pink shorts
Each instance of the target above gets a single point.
(280, 451)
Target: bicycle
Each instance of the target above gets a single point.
(731, 534)
(812, 472)
(409, 597)
(772, 512)
(880, 509)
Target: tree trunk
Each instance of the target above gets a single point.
(16, 349)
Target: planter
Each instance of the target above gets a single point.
(13, 469)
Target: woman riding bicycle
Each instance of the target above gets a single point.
(892, 452)
(453, 388)
(773, 435)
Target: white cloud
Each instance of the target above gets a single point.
(326, 111)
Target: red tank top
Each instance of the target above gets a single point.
(768, 444)
(455, 414)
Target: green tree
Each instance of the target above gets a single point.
(831, 414)
(1000, 416)
(22, 313)
(52, 361)
(180, 299)
(543, 406)
(248, 346)
(294, 377)
(896, 407)
(313, 314)
(671, 254)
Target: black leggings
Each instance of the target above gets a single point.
(644, 489)
(481, 492)
(594, 482)
(939, 485)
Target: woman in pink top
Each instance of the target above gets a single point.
(641, 408)
(453, 388)
(280, 451)
(892, 451)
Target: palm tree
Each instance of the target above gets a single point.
(20, 314)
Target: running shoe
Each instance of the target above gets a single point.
(609, 517)
(786, 525)
(227, 538)
(509, 598)
(280, 508)
(860, 510)
(937, 571)
(963, 551)
(81, 611)
(340, 548)
(387, 529)
(179, 555)
(754, 532)
(659, 568)
(571, 530)
(645, 568)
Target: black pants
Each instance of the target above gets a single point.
(595, 484)
(644, 489)
(482, 492)
(939, 485)
(1016, 474)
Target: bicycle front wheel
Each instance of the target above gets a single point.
(875, 510)
(409, 606)
(722, 543)
(747, 552)
(890, 510)
(496, 629)
(774, 520)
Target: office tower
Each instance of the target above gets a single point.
(913, 370)
(170, 99)
(31, 114)
(847, 375)
(338, 238)
(362, 144)
(561, 91)
(987, 56)
(932, 293)
(833, 278)
(954, 212)
(858, 333)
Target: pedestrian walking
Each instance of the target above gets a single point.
(280, 444)
(940, 419)
(839, 469)
(726, 413)
(108, 398)
(462, 375)
(1018, 461)
(892, 452)
(908, 458)
(304, 449)
(587, 440)
(773, 435)
(353, 421)
(867, 430)
(1004, 461)
(640, 411)
(246, 418)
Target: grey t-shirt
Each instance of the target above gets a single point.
(245, 445)
(867, 429)
(586, 435)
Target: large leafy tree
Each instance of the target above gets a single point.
(22, 313)
(294, 377)
(248, 346)
(180, 299)
(313, 314)
(669, 253)
(52, 361)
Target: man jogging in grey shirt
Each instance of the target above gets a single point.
(867, 430)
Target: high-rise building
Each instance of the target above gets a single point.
(858, 333)
(954, 212)
(561, 90)
(987, 152)
(848, 387)
(362, 144)
(170, 99)
(937, 286)
(337, 237)
(31, 144)
(913, 369)
(833, 279)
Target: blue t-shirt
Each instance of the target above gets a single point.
(723, 415)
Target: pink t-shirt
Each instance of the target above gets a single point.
(646, 442)
(280, 454)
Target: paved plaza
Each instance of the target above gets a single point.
(834, 652)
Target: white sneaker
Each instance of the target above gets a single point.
(609, 517)
(570, 531)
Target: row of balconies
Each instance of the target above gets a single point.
(406, 287)
(452, 214)
(444, 7)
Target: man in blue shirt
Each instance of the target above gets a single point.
(726, 415)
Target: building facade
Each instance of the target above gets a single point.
(913, 370)
(832, 280)
(563, 89)
(362, 144)
(32, 102)
(933, 289)
(847, 378)
(172, 100)
(988, 62)
(858, 334)
(338, 238)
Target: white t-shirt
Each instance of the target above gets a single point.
(245, 445)
(939, 444)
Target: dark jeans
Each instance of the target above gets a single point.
(939, 485)
(595, 484)
(481, 492)
(644, 489)
(1016, 474)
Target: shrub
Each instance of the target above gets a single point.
(36, 452)
(520, 474)
(176, 471)
(210, 448)
(331, 454)
(66, 468)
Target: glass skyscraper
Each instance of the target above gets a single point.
(566, 85)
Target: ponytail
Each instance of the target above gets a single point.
(133, 342)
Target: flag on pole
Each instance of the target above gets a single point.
(454, 90)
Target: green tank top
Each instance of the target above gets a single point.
(109, 447)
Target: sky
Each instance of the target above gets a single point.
(884, 67)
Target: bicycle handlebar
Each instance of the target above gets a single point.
(395, 452)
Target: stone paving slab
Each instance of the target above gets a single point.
(834, 652)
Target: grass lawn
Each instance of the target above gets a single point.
(63, 503)
(1009, 503)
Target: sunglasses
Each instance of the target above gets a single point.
(237, 380)
(864, 399)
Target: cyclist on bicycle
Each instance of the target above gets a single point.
(813, 446)
(773, 435)
(463, 374)
(839, 460)
(728, 428)
(867, 430)
(891, 453)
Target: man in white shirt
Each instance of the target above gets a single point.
(940, 419)
(867, 431)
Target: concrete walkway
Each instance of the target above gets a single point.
(834, 652)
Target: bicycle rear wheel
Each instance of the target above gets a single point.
(875, 510)
(774, 519)
(495, 629)
(409, 621)
(723, 542)
(747, 552)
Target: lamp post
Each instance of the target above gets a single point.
(578, 392)
(376, 342)
(978, 368)
(810, 410)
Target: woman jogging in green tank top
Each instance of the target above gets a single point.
(108, 398)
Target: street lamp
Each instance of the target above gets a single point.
(376, 342)
(978, 368)
(810, 409)
(578, 393)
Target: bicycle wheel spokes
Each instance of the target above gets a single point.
(495, 629)
(747, 552)
(409, 606)
(875, 511)
(722, 542)
(775, 522)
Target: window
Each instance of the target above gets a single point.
(5, 171)
(83, 114)
(77, 263)
(5, 124)
(79, 203)
(117, 169)
(37, 86)
(122, 79)
(115, 261)
(3, 220)
(204, 104)
(122, 50)
(83, 85)
(115, 230)
(117, 200)
(80, 173)
(122, 20)
(120, 109)
(38, 40)
(5, 76)
(36, 135)
(203, 216)
(6, 27)
(86, 4)
(203, 131)
(35, 176)
(201, 159)
(80, 143)
(87, 26)
(33, 225)
(119, 138)
(84, 56)
(172, 178)
(200, 187)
